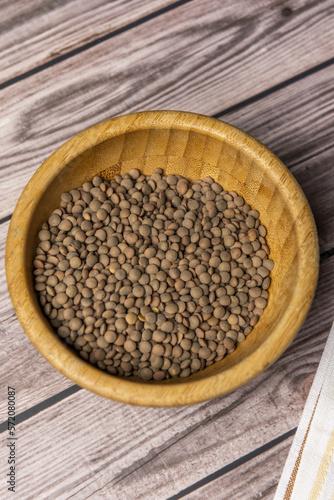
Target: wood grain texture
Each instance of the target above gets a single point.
(12, 341)
(13, 338)
(217, 53)
(305, 146)
(36, 32)
(271, 408)
(17, 356)
(126, 449)
(194, 146)
(296, 123)
(255, 479)
(308, 138)
(34, 385)
(210, 56)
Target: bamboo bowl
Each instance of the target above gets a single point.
(194, 146)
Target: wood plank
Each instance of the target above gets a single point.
(272, 128)
(250, 118)
(101, 449)
(36, 32)
(197, 72)
(25, 369)
(230, 434)
(255, 479)
(296, 123)
(298, 129)
(6, 312)
(154, 453)
(18, 355)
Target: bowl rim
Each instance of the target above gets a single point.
(180, 391)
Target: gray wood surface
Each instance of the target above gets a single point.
(303, 142)
(258, 65)
(313, 144)
(168, 448)
(36, 32)
(297, 124)
(257, 478)
(199, 64)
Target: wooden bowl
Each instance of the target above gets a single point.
(194, 146)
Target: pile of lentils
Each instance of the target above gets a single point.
(152, 276)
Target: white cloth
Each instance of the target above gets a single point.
(309, 470)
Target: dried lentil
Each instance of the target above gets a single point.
(152, 276)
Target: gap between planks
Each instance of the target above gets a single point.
(273, 128)
(271, 90)
(93, 43)
(307, 341)
(149, 60)
(234, 465)
(250, 115)
(257, 478)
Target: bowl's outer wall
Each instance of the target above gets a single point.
(194, 146)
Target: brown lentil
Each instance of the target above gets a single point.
(152, 276)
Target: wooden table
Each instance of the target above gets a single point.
(266, 67)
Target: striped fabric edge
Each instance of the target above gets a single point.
(292, 480)
(306, 453)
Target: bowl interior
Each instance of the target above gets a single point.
(239, 163)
